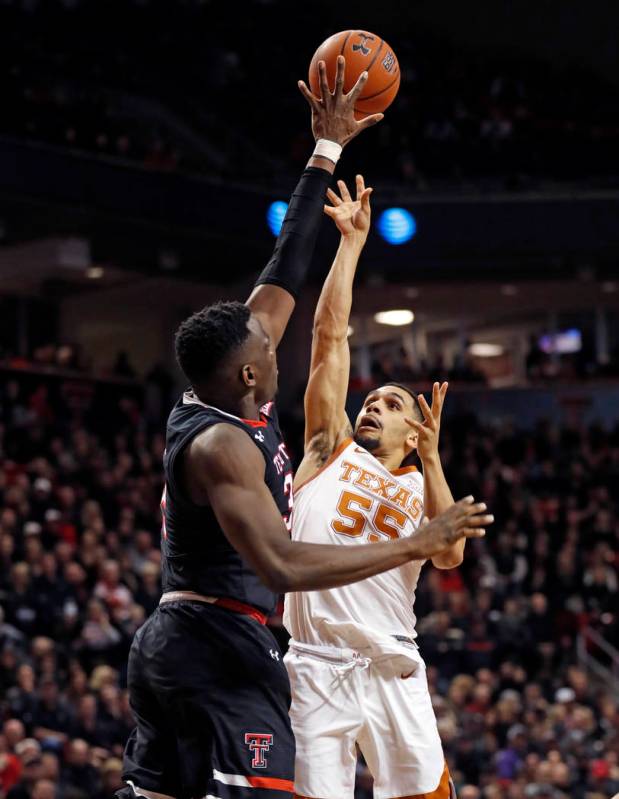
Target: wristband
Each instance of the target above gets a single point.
(330, 150)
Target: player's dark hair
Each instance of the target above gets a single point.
(411, 393)
(204, 340)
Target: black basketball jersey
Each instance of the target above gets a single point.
(196, 554)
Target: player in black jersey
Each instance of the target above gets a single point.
(206, 679)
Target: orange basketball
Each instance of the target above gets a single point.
(363, 51)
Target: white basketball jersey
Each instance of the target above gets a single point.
(354, 500)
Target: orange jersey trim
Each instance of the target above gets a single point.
(334, 455)
(404, 470)
(271, 782)
(395, 472)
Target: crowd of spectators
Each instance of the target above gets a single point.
(80, 484)
(63, 358)
(460, 115)
(393, 362)
(50, 357)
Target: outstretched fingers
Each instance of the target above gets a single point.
(473, 532)
(357, 88)
(323, 82)
(309, 96)
(330, 211)
(360, 184)
(339, 77)
(344, 193)
(425, 408)
(333, 197)
(368, 121)
(414, 423)
(438, 398)
(365, 199)
(475, 521)
(480, 520)
(475, 508)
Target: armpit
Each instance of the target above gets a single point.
(323, 444)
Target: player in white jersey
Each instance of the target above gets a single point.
(356, 673)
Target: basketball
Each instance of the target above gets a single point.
(363, 51)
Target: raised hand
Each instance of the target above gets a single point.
(352, 217)
(333, 113)
(428, 430)
(464, 519)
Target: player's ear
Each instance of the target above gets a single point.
(248, 375)
(411, 440)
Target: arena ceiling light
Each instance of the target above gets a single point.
(397, 225)
(509, 290)
(482, 349)
(396, 318)
(95, 272)
(275, 216)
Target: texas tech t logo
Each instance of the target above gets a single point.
(259, 743)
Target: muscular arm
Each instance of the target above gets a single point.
(437, 498)
(252, 523)
(274, 296)
(326, 422)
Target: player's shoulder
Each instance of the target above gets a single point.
(221, 447)
(189, 410)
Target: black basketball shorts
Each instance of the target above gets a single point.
(211, 696)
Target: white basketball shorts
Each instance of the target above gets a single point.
(339, 699)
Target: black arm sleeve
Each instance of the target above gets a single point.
(293, 252)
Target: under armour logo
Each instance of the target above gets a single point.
(274, 654)
(259, 743)
(361, 46)
(259, 435)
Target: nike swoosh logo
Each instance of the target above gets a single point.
(406, 676)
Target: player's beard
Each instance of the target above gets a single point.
(367, 443)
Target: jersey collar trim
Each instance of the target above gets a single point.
(189, 398)
(404, 470)
(394, 472)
